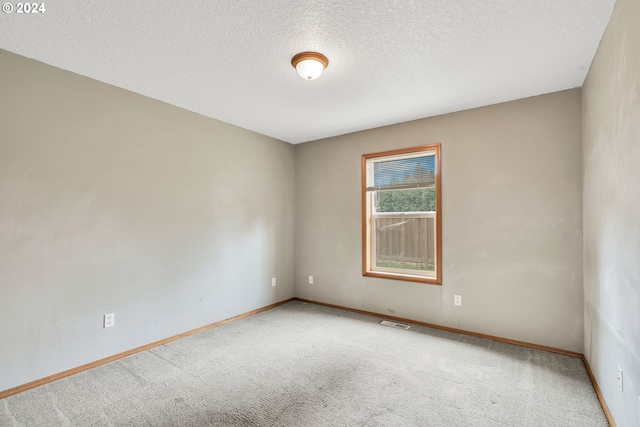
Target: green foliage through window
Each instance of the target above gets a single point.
(419, 200)
(408, 200)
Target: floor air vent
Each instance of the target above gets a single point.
(395, 324)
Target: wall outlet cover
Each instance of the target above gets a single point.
(109, 320)
(311, 280)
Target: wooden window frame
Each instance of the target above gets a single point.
(366, 228)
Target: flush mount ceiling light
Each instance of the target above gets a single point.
(309, 64)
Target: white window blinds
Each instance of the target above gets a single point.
(402, 173)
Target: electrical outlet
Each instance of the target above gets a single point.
(457, 300)
(273, 281)
(311, 280)
(109, 320)
(620, 379)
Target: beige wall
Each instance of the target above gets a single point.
(611, 164)
(113, 202)
(512, 228)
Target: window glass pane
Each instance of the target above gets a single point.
(405, 243)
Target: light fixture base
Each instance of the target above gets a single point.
(309, 64)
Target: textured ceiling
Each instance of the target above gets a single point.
(390, 60)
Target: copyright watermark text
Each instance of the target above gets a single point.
(23, 8)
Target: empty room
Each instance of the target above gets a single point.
(320, 213)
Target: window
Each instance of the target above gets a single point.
(401, 215)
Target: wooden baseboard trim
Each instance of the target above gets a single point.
(596, 387)
(69, 372)
(446, 328)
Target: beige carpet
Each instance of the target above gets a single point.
(307, 365)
